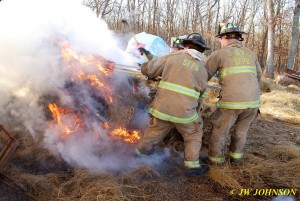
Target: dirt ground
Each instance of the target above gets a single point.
(272, 161)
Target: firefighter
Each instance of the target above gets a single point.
(177, 45)
(239, 77)
(183, 79)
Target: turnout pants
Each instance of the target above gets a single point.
(222, 121)
(158, 129)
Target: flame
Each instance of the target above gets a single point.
(104, 124)
(69, 55)
(99, 73)
(57, 113)
(107, 70)
(71, 121)
(77, 125)
(127, 136)
(96, 82)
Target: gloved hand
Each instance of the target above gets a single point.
(143, 51)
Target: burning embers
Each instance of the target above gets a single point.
(92, 92)
(125, 135)
(74, 124)
(77, 125)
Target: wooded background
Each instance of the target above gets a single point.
(272, 25)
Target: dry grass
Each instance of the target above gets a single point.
(225, 176)
(272, 160)
(282, 103)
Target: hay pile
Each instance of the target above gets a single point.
(272, 160)
(281, 102)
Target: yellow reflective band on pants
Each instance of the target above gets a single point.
(171, 118)
(192, 164)
(204, 95)
(237, 69)
(217, 159)
(179, 89)
(238, 105)
(236, 155)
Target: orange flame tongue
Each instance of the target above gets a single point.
(125, 135)
(95, 72)
(55, 112)
(77, 123)
(96, 75)
(101, 64)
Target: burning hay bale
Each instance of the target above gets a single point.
(127, 101)
(85, 116)
(99, 107)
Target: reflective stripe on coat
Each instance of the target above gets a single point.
(239, 76)
(183, 79)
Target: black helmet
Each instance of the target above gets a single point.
(228, 28)
(195, 38)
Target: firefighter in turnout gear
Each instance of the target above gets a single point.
(239, 77)
(183, 80)
(177, 44)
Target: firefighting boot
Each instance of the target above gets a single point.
(217, 161)
(193, 168)
(236, 161)
(236, 158)
(203, 169)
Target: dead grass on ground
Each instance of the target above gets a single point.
(281, 102)
(272, 160)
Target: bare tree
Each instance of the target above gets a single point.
(295, 36)
(261, 54)
(101, 7)
(254, 9)
(266, 21)
(269, 69)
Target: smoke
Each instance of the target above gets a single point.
(32, 71)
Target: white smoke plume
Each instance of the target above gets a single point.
(31, 67)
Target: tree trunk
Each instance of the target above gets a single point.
(154, 16)
(269, 70)
(253, 13)
(216, 24)
(295, 36)
(261, 53)
(279, 68)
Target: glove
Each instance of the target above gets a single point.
(145, 52)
